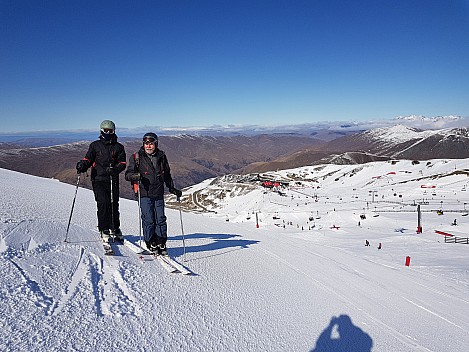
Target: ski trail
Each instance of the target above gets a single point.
(405, 340)
(96, 273)
(13, 228)
(435, 314)
(3, 245)
(127, 302)
(421, 304)
(75, 277)
(31, 290)
(113, 296)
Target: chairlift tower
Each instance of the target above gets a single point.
(373, 195)
(419, 219)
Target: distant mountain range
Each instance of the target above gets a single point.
(194, 158)
(396, 142)
(325, 131)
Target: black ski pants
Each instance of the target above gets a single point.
(108, 219)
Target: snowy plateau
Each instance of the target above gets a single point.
(273, 269)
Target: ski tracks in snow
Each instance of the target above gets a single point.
(104, 277)
(75, 276)
(113, 296)
(30, 289)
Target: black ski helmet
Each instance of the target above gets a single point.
(150, 136)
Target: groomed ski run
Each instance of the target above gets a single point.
(254, 289)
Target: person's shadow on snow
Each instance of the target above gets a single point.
(342, 336)
(221, 243)
(215, 244)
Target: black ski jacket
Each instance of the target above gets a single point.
(103, 154)
(154, 172)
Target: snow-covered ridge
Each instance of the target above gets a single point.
(46, 150)
(434, 123)
(400, 133)
(429, 119)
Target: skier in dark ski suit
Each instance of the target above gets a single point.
(150, 167)
(107, 160)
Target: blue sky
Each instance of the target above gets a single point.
(71, 64)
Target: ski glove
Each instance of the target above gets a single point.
(112, 171)
(134, 177)
(81, 167)
(176, 192)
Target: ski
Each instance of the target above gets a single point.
(138, 249)
(107, 248)
(169, 268)
(174, 264)
(168, 263)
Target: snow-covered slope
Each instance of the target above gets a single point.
(302, 287)
(404, 142)
(398, 134)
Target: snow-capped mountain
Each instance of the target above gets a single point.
(436, 122)
(403, 142)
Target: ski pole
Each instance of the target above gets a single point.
(73, 205)
(182, 229)
(112, 206)
(139, 217)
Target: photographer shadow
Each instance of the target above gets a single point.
(342, 336)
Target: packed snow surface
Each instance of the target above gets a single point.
(302, 280)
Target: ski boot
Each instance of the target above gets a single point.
(105, 235)
(162, 250)
(117, 235)
(153, 247)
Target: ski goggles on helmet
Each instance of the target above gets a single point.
(107, 130)
(149, 140)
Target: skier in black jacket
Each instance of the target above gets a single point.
(107, 160)
(150, 167)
